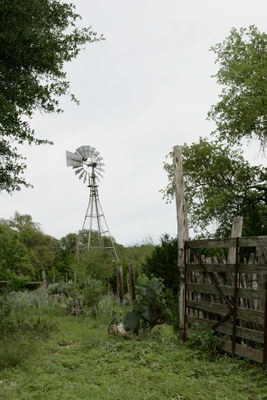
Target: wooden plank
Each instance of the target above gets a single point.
(225, 268)
(243, 351)
(211, 243)
(252, 241)
(221, 309)
(255, 316)
(227, 290)
(241, 332)
(216, 308)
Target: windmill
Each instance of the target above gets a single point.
(88, 166)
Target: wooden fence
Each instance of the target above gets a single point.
(229, 298)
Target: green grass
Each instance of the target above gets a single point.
(80, 361)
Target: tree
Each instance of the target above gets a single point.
(14, 255)
(40, 247)
(220, 184)
(65, 256)
(162, 263)
(242, 109)
(37, 38)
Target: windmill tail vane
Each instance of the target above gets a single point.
(88, 166)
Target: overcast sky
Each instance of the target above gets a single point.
(144, 89)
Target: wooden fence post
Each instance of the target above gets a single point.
(237, 227)
(132, 279)
(44, 282)
(182, 227)
(265, 324)
(120, 284)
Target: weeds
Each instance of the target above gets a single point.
(25, 318)
(79, 360)
(204, 341)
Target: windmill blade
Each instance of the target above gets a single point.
(84, 157)
(92, 153)
(85, 178)
(87, 150)
(100, 169)
(97, 175)
(78, 170)
(82, 174)
(78, 151)
(82, 151)
(73, 159)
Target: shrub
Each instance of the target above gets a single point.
(204, 340)
(75, 297)
(149, 308)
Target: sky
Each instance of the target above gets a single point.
(145, 89)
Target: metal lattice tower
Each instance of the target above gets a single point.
(88, 165)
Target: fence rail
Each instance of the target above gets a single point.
(229, 298)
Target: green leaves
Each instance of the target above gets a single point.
(220, 184)
(242, 109)
(37, 38)
(149, 306)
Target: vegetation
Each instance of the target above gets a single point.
(241, 111)
(26, 251)
(153, 365)
(162, 263)
(32, 58)
(52, 334)
(219, 185)
(149, 308)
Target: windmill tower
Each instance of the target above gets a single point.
(88, 166)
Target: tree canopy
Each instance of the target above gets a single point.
(162, 262)
(241, 111)
(37, 38)
(219, 185)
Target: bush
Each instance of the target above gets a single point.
(149, 308)
(204, 340)
(75, 297)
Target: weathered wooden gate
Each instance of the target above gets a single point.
(229, 298)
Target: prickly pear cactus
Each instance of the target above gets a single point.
(149, 305)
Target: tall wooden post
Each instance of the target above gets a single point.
(44, 282)
(120, 292)
(132, 279)
(182, 227)
(237, 227)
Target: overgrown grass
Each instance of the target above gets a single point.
(80, 361)
(25, 319)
